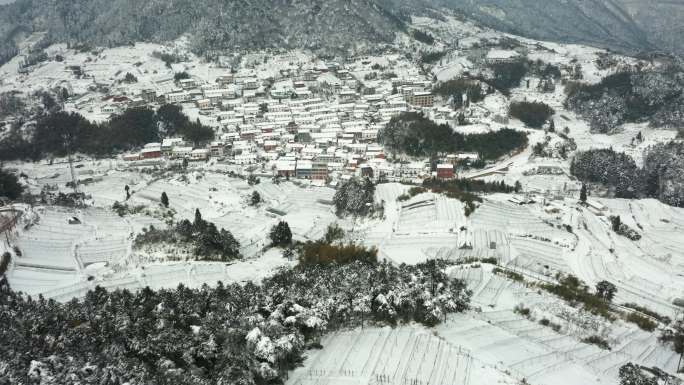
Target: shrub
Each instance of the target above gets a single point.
(509, 274)
(664, 319)
(533, 114)
(333, 233)
(432, 57)
(522, 310)
(423, 37)
(321, 253)
(130, 78)
(642, 322)
(178, 76)
(574, 291)
(255, 199)
(598, 341)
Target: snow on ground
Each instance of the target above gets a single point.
(404, 355)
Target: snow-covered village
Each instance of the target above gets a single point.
(456, 206)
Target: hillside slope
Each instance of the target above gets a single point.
(627, 25)
(213, 24)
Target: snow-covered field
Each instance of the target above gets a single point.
(404, 355)
(66, 252)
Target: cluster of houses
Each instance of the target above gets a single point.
(316, 125)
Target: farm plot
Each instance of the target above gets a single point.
(514, 219)
(51, 242)
(495, 339)
(308, 210)
(405, 355)
(415, 248)
(54, 252)
(478, 243)
(196, 194)
(194, 274)
(538, 257)
(34, 281)
(429, 213)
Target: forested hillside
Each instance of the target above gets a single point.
(212, 24)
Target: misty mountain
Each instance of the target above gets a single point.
(625, 25)
(335, 25)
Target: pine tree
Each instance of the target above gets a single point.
(200, 224)
(606, 290)
(583, 193)
(128, 192)
(552, 126)
(255, 199)
(518, 187)
(281, 234)
(165, 199)
(616, 222)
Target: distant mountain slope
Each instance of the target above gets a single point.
(629, 25)
(213, 24)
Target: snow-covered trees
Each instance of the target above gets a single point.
(507, 75)
(280, 234)
(644, 96)
(613, 169)
(9, 185)
(355, 197)
(533, 114)
(230, 334)
(606, 290)
(662, 175)
(205, 240)
(255, 198)
(664, 169)
(413, 134)
(631, 374)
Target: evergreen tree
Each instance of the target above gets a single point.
(583, 193)
(128, 192)
(199, 224)
(9, 185)
(518, 187)
(616, 223)
(280, 234)
(606, 290)
(165, 199)
(255, 199)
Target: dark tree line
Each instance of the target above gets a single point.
(231, 334)
(661, 177)
(533, 114)
(423, 37)
(415, 135)
(9, 185)
(507, 75)
(455, 89)
(59, 133)
(649, 96)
